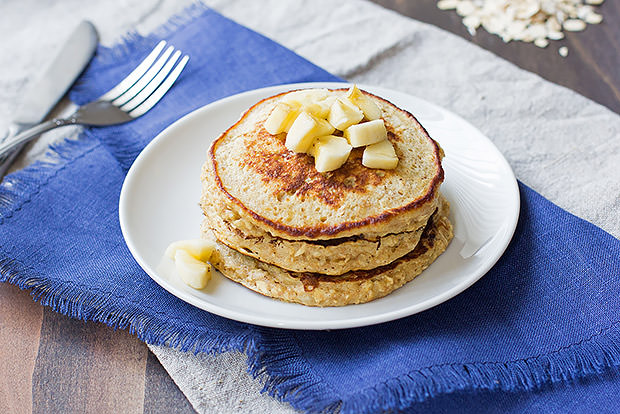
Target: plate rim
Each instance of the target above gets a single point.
(305, 324)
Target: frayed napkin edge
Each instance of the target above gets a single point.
(287, 375)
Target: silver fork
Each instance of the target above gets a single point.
(131, 98)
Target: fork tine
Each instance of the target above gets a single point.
(160, 91)
(136, 74)
(152, 85)
(145, 79)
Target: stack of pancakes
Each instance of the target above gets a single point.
(323, 239)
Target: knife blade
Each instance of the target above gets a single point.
(59, 75)
(44, 93)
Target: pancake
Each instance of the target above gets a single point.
(269, 190)
(331, 257)
(313, 289)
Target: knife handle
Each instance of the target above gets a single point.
(10, 146)
(7, 160)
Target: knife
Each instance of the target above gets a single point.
(43, 94)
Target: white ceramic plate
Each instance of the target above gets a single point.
(159, 204)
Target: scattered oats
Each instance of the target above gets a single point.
(549, 7)
(553, 25)
(493, 26)
(555, 35)
(526, 20)
(563, 51)
(541, 42)
(447, 4)
(594, 18)
(527, 10)
(465, 8)
(561, 16)
(472, 22)
(574, 25)
(571, 11)
(538, 30)
(516, 29)
(584, 11)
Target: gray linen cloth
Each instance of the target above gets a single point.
(561, 144)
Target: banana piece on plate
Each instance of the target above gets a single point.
(200, 249)
(380, 155)
(195, 273)
(366, 133)
(190, 259)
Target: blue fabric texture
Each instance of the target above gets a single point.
(539, 332)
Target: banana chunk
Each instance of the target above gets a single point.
(343, 113)
(380, 155)
(316, 102)
(303, 131)
(366, 133)
(193, 272)
(321, 108)
(281, 118)
(198, 248)
(330, 152)
(190, 259)
(305, 96)
(369, 108)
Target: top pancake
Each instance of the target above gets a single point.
(280, 192)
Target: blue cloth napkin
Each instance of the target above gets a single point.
(541, 329)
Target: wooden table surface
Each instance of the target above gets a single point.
(50, 363)
(591, 68)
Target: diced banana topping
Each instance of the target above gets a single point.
(281, 118)
(304, 130)
(191, 261)
(343, 114)
(309, 117)
(369, 108)
(330, 152)
(380, 155)
(366, 133)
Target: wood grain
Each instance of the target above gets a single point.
(20, 327)
(88, 368)
(50, 363)
(592, 67)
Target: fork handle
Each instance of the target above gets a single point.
(8, 146)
